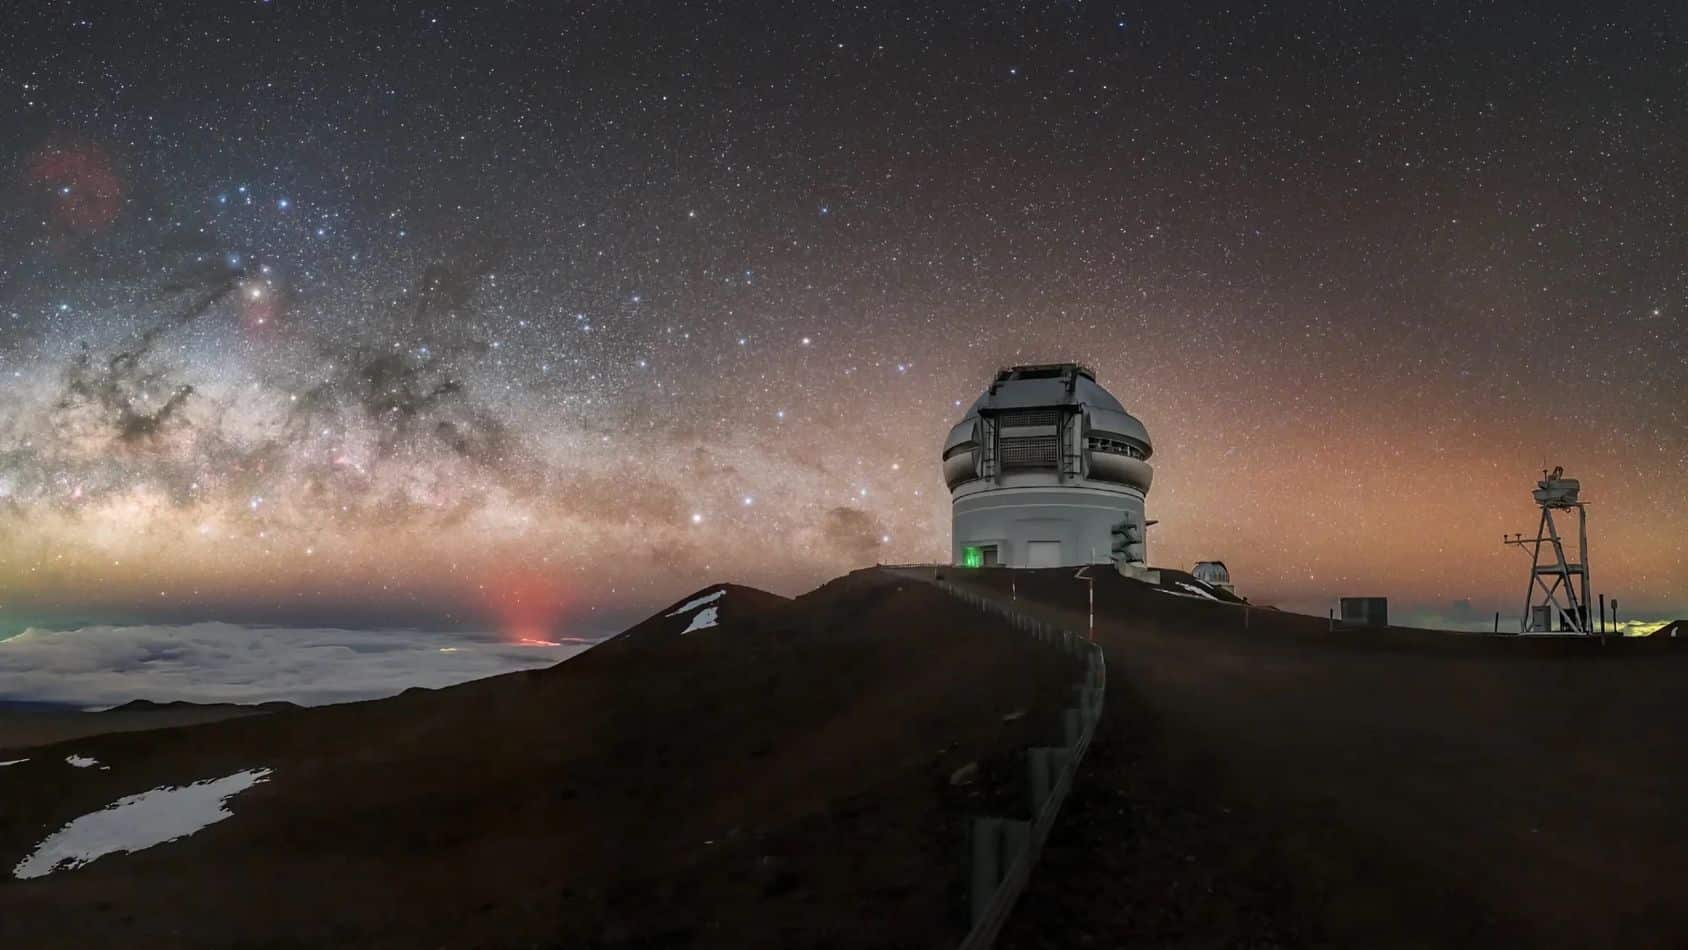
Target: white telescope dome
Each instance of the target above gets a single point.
(1041, 468)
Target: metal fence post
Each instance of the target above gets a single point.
(986, 865)
(1039, 778)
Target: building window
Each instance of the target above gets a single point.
(1108, 446)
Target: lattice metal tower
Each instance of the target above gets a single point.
(1558, 585)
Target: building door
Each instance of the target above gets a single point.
(1043, 554)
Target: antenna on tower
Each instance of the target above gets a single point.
(1558, 585)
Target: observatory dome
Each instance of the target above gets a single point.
(1213, 574)
(1042, 467)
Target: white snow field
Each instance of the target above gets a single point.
(138, 822)
(697, 602)
(1199, 592)
(704, 620)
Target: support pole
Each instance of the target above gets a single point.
(1083, 574)
(1582, 554)
(1541, 529)
(986, 864)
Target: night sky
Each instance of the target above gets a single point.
(538, 316)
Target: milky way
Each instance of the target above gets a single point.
(544, 315)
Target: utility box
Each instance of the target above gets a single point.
(1365, 611)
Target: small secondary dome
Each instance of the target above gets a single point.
(1041, 468)
(1212, 573)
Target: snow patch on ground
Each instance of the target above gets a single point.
(696, 602)
(13, 762)
(138, 822)
(1199, 592)
(705, 619)
(81, 761)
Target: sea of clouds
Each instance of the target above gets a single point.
(101, 666)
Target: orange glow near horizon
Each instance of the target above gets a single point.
(1307, 494)
(528, 605)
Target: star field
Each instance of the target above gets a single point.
(549, 313)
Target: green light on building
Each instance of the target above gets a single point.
(972, 557)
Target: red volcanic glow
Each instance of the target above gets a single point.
(528, 605)
(81, 186)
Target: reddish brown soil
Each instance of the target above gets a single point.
(779, 780)
(1285, 785)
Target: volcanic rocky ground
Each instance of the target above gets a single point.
(1260, 779)
(783, 778)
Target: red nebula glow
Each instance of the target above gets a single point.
(528, 605)
(82, 189)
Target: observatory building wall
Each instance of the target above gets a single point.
(1033, 526)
